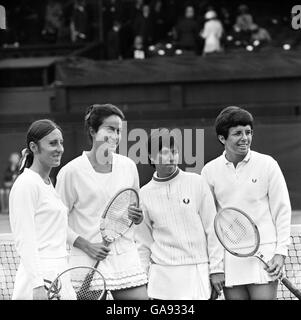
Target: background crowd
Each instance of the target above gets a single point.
(140, 28)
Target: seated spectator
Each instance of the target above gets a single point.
(10, 175)
(261, 34)
(112, 10)
(138, 49)
(114, 42)
(212, 33)
(144, 25)
(54, 18)
(244, 20)
(186, 31)
(79, 21)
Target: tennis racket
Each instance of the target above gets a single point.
(239, 235)
(115, 221)
(69, 285)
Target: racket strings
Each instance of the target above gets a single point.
(80, 283)
(116, 220)
(237, 232)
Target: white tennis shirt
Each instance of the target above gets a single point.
(256, 186)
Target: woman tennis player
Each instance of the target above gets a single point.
(86, 185)
(252, 182)
(38, 217)
(177, 242)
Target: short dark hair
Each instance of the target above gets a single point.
(157, 137)
(37, 131)
(231, 117)
(96, 113)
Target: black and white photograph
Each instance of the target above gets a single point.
(150, 150)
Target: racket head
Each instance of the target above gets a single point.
(71, 285)
(115, 221)
(237, 232)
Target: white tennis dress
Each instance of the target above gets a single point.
(38, 220)
(86, 194)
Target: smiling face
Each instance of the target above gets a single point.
(108, 136)
(49, 150)
(238, 142)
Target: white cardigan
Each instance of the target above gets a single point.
(178, 225)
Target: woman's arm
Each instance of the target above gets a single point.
(23, 200)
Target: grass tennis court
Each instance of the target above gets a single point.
(9, 259)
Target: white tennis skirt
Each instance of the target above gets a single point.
(120, 271)
(23, 286)
(240, 271)
(184, 282)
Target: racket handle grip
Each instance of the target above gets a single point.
(96, 264)
(291, 288)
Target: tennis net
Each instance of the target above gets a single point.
(9, 262)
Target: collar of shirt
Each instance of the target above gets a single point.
(172, 176)
(88, 164)
(245, 159)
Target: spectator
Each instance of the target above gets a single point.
(244, 24)
(54, 18)
(261, 34)
(2, 18)
(144, 25)
(79, 21)
(114, 44)
(186, 31)
(244, 20)
(112, 11)
(212, 33)
(138, 50)
(3, 32)
(10, 174)
(14, 23)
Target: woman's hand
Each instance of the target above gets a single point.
(97, 250)
(275, 266)
(217, 281)
(135, 214)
